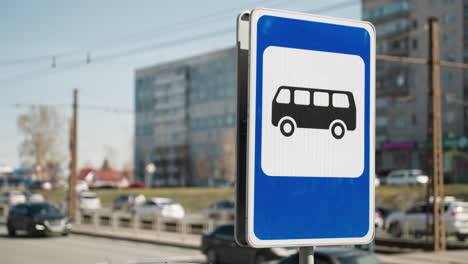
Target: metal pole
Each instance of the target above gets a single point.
(306, 255)
(72, 199)
(438, 175)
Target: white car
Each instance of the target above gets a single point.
(36, 198)
(406, 177)
(12, 197)
(89, 201)
(81, 186)
(158, 206)
(379, 221)
(413, 221)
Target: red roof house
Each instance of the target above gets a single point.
(99, 178)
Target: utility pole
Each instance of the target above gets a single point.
(72, 199)
(438, 226)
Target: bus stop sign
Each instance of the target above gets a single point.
(305, 134)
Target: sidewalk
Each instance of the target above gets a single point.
(447, 257)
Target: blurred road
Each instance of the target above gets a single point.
(87, 250)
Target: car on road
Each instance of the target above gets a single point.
(406, 177)
(219, 246)
(334, 255)
(384, 212)
(136, 185)
(37, 219)
(89, 201)
(34, 197)
(126, 201)
(224, 209)
(379, 221)
(11, 198)
(159, 206)
(81, 186)
(413, 221)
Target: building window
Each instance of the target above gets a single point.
(448, 37)
(450, 56)
(390, 9)
(448, 18)
(381, 121)
(450, 117)
(415, 44)
(465, 54)
(400, 122)
(448, 2)
(381, 102)
(380, 139)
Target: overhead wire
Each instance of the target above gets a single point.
(171, 43)
(125, 39)
(110, 109)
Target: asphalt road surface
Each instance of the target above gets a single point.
(88, 250)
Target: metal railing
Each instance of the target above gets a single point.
(185, 231)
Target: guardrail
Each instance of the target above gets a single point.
(187, 231)
(183, 232)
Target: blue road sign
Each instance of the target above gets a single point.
(309, 129)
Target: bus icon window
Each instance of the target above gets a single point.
(295, 107)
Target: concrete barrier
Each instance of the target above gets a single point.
(187, 231)
(184, 232)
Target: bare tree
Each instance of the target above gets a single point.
(43, 144)
(106, 165)
(110, 158)
(87, 165)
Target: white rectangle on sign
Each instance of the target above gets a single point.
(320, 136)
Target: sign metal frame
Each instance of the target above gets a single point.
(247, 122)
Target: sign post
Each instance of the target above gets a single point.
(305, 130)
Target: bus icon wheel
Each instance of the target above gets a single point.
(287, 126)
(338, 129)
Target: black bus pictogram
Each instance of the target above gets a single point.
(295, 107)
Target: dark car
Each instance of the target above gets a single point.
(224, 209)
(126, 202)
(122, 202)
(220, 247)
(334, 255)
(37, 219)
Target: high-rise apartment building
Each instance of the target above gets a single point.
(185, 119)
(402, 89)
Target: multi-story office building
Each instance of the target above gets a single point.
(185, 119)
(403, 98)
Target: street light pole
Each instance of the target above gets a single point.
(150, 169)
(72, 199)
(438, 213)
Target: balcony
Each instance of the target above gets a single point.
(388, 12)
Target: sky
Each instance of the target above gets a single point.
(118, 37)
